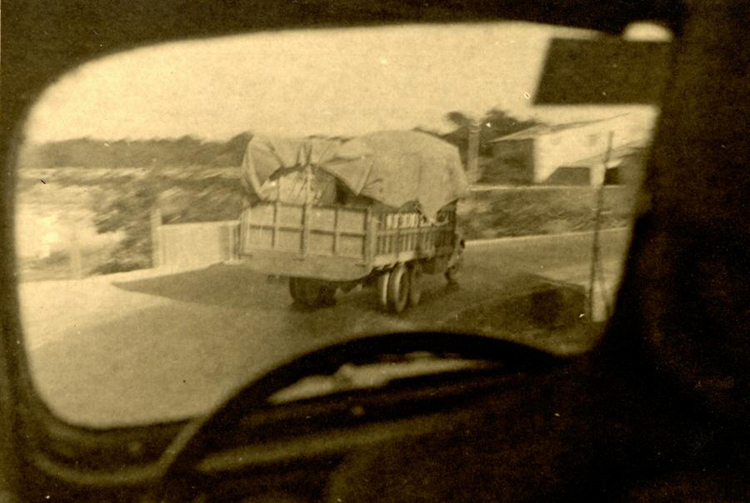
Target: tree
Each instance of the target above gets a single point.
(460, 119)
(494, 124)
(173, 152)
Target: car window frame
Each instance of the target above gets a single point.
(25, 78)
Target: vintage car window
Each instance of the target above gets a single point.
(193, 213)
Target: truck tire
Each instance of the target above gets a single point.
(415, 284)
(454, 264)
(383, 289)
(398, 289)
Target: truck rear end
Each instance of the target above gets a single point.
(339, 243)
(333, 243)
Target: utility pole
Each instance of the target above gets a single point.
(595, 247)
(472, 153)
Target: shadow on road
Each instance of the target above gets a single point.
(500, 300)
(216, 285)
(498, 304)
(238, 287)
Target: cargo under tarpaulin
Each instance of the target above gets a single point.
(393, 168)
(275, 168)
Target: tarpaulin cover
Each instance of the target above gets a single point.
(391, 167)
(275, 168)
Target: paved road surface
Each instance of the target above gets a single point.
(146, 346)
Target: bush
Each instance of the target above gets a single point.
(533, 211)
(126, 206)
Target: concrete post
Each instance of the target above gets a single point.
(156, 246)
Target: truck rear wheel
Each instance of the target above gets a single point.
(454, 263)
(398, 288)
(383, 289)
(415, 284)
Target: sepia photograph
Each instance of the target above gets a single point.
(343, 251)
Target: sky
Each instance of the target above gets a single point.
(299, 83)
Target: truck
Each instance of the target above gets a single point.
(330, 216)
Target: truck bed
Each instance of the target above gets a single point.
(338, 243)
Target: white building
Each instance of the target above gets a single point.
(570, 154)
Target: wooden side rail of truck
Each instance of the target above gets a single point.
(326, 248)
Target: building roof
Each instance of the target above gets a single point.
(544, 129)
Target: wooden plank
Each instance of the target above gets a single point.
(292, 264)
(235, 242)
(305, 228)
(371, 236)
(198, 225)
(245, 220)
(336, 234)
(274, 234)
(398, 237)
(381, 236)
